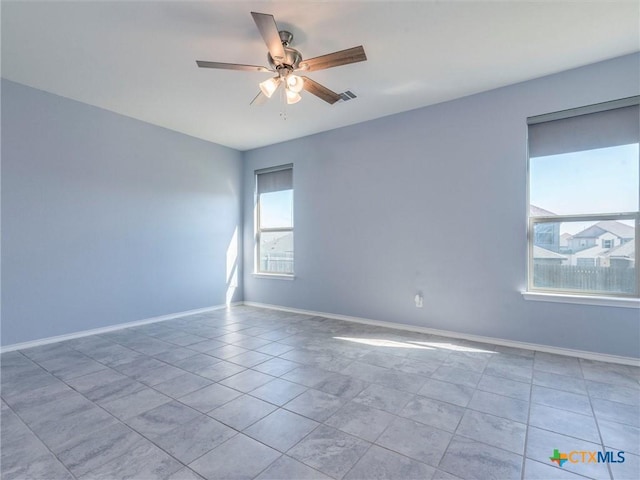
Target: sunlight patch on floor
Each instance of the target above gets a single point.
(455, 348)
(381, 342)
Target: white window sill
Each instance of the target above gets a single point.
(276, 276)
(582, 299)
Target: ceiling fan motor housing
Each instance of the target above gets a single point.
(292, 57)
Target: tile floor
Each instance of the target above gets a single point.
(251, 393)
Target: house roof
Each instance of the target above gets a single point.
(542, 253)
(591, 232)
(283, 243)
(626, 250)
(618, 229)
(536, 211)
(592, 252)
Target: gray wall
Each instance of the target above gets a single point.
(435, 200)
(106, 219)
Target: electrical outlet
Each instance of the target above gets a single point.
(418, 299)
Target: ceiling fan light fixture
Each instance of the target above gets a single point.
(295, 83)
(284, 60)
(268, 87)
(292, 97)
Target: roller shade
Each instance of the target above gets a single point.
(608, 128)
(275, 180)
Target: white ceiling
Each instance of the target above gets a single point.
(138, 58)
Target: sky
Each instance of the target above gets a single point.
(604, 180)
(276, 209)
(594, 181)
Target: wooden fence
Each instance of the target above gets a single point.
(277, 263)
(593, 279)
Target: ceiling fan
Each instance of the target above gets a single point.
(285, 62)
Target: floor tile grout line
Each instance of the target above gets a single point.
(40, 440)
(320, 425)
(435, 467)
(292, 447)
(185, 332)
(617, 403)
(121, 421)
(454, 434)
(563, 391)
(444, 453)
(358, 460)
(404, 455)
(566, 435)
(314, 468)
(152, 387)
(175, 458)
(488, 444)
(526, 434)
(595, 419)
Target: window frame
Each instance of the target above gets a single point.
(532, 221)
(259, 230)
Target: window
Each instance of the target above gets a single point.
(274, 220)
(584, 195)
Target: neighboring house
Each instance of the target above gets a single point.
(623, 256)
(606, 243)
(589, 257)
(547, 257)
(547, 235)
(606, 234)
(564, 242)
(596, 246)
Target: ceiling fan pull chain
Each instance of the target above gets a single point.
(283, 102)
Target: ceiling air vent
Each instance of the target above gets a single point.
(346, 96)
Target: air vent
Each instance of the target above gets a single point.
(346, 96)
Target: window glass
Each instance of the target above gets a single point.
(594, 257)
(584, 194)
(604, 180)
(276, 252)
(274, 221)
(276, 209)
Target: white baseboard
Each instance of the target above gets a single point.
(601, 357)
(110, 328)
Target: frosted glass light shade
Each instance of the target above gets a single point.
(295, 83)
(269, 86)
(292, 97)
